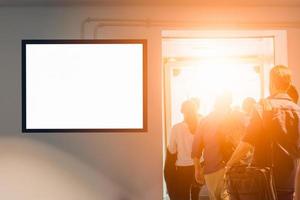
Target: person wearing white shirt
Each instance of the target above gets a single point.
(181, 141)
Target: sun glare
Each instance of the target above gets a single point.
(211, 78)
(208, 67)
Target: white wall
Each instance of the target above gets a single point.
(130, 163)
(34, 170)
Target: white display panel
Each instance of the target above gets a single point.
(83, 86)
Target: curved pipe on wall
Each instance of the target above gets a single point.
(187, 24)
(106, 22)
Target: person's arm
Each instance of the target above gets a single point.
(242, 149)
(196, 155)
(253, 133)
(197, 163)
(172, 147)
(198, 171)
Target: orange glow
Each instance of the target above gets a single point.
(204, 68)
(212, 77)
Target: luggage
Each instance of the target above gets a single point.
(250, 183)
(254, 183)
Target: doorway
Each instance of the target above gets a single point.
(200, 65)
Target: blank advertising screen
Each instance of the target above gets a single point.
(84, 85)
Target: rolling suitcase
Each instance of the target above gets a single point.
(250, 183)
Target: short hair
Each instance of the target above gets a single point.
(293, 93)
(280, 77)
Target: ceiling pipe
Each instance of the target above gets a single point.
(105, 21)
(156, 23)
(190, 24)
(100, 25)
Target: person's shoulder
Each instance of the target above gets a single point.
(204, 119)
(178, 125)
(292, 105)
(284, 104)
(296, 106)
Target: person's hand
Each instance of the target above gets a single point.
(199, 176)
(227, 168)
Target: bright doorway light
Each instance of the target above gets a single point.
(204, 68)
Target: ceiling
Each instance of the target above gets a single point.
(151, 2)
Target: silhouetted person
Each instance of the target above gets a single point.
(181, 139)
(248, 105)
(208, 142)
(282, 116)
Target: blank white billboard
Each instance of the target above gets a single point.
(83, 86)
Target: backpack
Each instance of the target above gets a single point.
(250, 183)
(286, 138)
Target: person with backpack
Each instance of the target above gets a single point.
(210, 140)
(273, 132)
(248, 105)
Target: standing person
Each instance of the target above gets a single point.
(182, 135)
(170, 174)
(282, 130)
(207, 141)
(249, 104)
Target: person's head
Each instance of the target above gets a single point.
(280, 79)
(248, 104)
(196, 100)
(189, 109)
(223, 102)
(293, 93)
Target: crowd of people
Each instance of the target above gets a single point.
(203, 149)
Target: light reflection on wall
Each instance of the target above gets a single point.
(33, 170)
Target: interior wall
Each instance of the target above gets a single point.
(85, 166)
